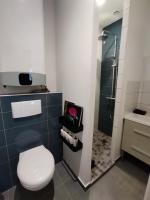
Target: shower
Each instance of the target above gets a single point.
(110, 37)
(104, 35)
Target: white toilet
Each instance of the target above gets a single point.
(35, 168)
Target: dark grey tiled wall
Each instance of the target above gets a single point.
(47, 124)
(106, 108)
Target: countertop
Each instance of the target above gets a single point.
(142, 119)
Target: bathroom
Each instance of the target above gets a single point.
(54, 45)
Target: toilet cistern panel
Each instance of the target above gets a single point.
(26, 108)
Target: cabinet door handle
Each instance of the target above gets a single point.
(142, 133)
(140, 151)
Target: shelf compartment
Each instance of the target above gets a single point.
(70, 127)
(74, 149)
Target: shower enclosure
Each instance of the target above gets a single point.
(110, 38)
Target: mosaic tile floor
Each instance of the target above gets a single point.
(101, 154)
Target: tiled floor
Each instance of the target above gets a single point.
(101, 154)
(124, 181)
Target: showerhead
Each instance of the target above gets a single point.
(103, 36)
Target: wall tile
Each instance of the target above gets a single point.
(6, 100)
(5, 180)
(106, 91)
(54, 124)
(12, 151)
(41, 128)
(145, 98)
(3, 155)
(13, 166)
(146, 87)
(1, 122)
(56, 150)
(105, 81)
(54, 99)
(54, 111)
(2, 139)
(144, 107)
(0, 106)
(133, 87)
(55, 143)
(9, 122)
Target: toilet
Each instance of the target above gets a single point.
(35, 168)
(36, 163)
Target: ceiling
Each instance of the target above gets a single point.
(106, 16)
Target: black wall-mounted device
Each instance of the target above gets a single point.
(25, 79)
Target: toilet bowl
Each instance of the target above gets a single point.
(35, 168)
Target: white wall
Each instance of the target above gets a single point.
(76, 66)
(98, 77)
(22, 36)
(138, 57)
(134, 52)
(130, 66)
(144, 94)
(50, 43)
(120, 93)
(27, 41)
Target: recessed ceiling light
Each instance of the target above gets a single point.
(100, 2)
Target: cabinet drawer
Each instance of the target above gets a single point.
(136, 140)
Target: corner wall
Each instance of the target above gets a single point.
(130, 67)
(76, 66)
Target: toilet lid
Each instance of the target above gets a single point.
(35, 166)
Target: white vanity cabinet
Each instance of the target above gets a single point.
(136, 140)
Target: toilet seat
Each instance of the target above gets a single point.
(35, 168)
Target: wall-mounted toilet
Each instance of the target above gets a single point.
(35, 168)
(36, 165)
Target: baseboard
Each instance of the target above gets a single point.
(74, 177)
(78, 179)
(85, 187)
